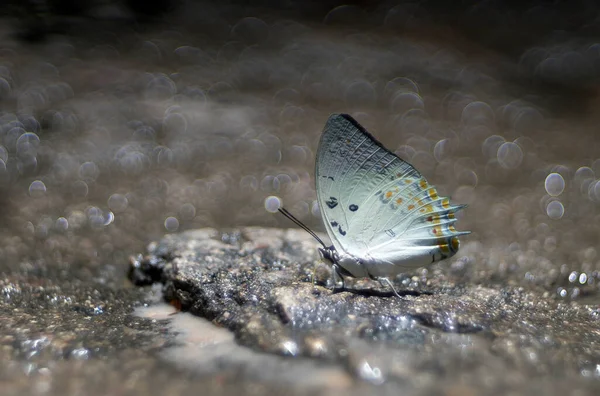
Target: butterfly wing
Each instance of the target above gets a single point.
(337, 142)
(374, 204)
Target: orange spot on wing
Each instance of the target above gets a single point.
(423, 184)
(407, 181)
(432, 193)
(399, 201)
(427, 208)
(411, 207)
(455, 243)
(451, 216)
(444, 247)
(446, 203)
(388, 194)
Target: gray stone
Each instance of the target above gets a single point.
(447, 333)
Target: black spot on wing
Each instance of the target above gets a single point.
(328, 177)
(334, 223)
(353, 208)
(341, 231)
(332, 203)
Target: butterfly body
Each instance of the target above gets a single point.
(379, 212)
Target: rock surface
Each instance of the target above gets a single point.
(447, 333)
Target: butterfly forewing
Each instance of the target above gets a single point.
(331, 167)
(374, 202)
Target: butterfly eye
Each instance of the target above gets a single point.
(326, 255)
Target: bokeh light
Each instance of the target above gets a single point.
(272, 204)
(555, 210)
(555, 184)
(110, 141)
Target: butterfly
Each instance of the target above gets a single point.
(380, 213)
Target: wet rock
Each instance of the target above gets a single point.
(446, 332)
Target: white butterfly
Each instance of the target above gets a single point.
(379, 212)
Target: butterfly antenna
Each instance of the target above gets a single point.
(290, 216)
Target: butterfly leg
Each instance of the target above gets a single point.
(335, 275)
(386, 281)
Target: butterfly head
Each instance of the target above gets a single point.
(329, 254)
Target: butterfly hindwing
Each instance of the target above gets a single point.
(374, 202)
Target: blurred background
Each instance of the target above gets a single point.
(124, 120)
(121, 121)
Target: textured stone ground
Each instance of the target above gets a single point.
(446, 332)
